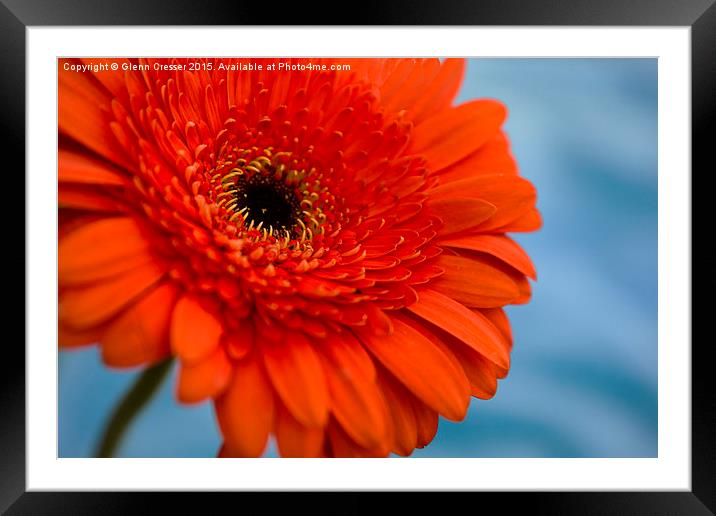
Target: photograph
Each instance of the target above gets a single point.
(360, 257)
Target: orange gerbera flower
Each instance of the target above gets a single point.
(324, 251)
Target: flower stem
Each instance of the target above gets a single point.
(130, 406)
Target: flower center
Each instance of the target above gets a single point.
(269, 196)
(266, 202)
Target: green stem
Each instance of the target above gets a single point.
(130, 406)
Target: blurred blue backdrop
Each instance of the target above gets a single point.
(583, 381)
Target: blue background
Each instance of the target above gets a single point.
(583, 381)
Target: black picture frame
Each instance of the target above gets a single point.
(700, 15)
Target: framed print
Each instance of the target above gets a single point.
(450, 257)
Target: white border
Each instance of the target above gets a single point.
(672, 468)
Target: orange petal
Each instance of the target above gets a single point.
(83, 113)
(498, 317)
(71, 220)
(455, 133)
(92, 305)
(472, 328)
(71, 338)
(519, 279)
(530, 221)
(405, 433)
(422, 368)
(195, 328)
(441, 92)
(225, 452)
(140, 335)
(245, 411)
(294, 439)
(440, 339)
(379, 320)
(297, 375)
(82, 197)
(512, 195)
(94, 274)
(426, 422)
(500, 246)
(474, 283)
(492, 158)
(74, 167)
(460, 213)
(393, 76)
(404, 87)
(356, 401)
(343, 446)
(204, 379)
(525, 290)
(240, 341)
(101, 249)
(344, 349)
(481, 373)
(113, 80)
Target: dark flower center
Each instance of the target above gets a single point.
(271, 197)
(270, 203)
